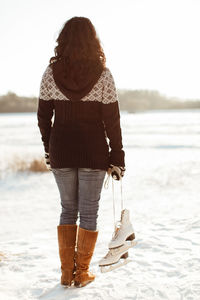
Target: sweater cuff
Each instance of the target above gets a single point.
(46, 148)
(117, 158)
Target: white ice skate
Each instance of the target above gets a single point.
(123, 232)
(123, 239)
(116, 257)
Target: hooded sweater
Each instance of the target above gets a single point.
(77, 79)
(80, 123)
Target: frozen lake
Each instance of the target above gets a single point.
(161, 188)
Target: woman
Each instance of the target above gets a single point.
(79, 90)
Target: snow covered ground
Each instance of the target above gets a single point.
(161, 188)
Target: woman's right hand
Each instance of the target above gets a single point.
(116, 172)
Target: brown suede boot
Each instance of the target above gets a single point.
(85, 248)
(66, 243)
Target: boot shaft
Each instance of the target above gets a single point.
(67, 242)
(125, 217)
(85, 248)
(66, 235)
(86, 242)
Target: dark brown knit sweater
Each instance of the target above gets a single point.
(78, 136)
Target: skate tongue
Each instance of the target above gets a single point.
(124, 214)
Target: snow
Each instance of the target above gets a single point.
(160, 188)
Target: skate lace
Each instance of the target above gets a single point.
(108, 254)
(111, 252)
(116, 232)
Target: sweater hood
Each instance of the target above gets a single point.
(76, 81)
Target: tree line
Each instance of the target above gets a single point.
(129, 100)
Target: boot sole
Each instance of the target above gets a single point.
(79, 284)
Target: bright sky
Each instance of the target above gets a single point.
(149, 44)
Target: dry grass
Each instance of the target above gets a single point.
(38, 165)
(22, 165)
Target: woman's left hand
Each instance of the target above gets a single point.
(47, 161)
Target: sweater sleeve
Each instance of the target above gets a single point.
(45, 111)
(111, 120)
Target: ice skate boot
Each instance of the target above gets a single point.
(124, 232)
(115, 258)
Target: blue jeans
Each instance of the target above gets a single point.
(80, 192)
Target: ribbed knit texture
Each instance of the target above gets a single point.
(84, 133)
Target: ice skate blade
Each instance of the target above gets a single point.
(133, 243)
(108, 268)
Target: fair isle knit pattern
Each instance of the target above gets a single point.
(84, 133)
(49, 89)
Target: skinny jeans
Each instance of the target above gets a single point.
(80, 192)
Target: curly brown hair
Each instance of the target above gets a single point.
(78, 41)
